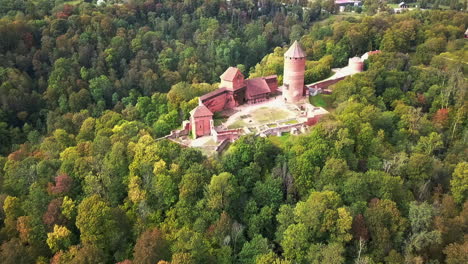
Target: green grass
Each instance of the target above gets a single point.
(267, 115)
(290, 122)
(237, 124)
(321, 100)
(219, 121)
(280, 141)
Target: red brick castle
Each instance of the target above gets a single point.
(234, 90)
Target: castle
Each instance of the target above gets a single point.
(234, 90)
(259, 105)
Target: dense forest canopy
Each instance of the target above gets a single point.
(86, 91)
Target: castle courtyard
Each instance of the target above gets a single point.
(271, 113)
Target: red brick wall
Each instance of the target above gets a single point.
(220, 102)
(228, 134)
(325, 84)
(273, 84)
(217, 103)
(313, 120)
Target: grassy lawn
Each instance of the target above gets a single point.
(280, 141)
(237, 124)
(267, 115)
(219, 121)
(321, 100)
(290, 122)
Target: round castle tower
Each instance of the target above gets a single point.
(293, 76)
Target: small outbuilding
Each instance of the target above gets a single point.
(201, 121)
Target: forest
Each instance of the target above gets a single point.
(86, 92)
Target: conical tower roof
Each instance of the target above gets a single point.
(201, 110)
(295, 51)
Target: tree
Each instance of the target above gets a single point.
(332, 173)
(53, 216)
(12, 210)
(324, 217)
(63, 184)
(429, 144)
(13, 252)
(190, 247)
(221, 191)
(319, 218)
(456, 253)
(386, 226)
(252, 249)
(331, 253)
(100, 89)
(459, 182)
(59, 239)
(150, 247)
(423, 238)
(295, 243)
(98, 224)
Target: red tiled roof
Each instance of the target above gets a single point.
(213, 93)
(201, 110)
(373, 52)
(256, 86)
(230, 74)
(295, 51)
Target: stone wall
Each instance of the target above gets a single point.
(282, 129)
(230, 135)
(222, 146)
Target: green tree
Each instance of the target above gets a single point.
(99, 225)
(59, 239)
(221, 191)
(252, 249)
(386, 227)
(459, 182)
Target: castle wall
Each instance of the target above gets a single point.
(217, 101)
(326, 83)
(230, 135)
(314, 119)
